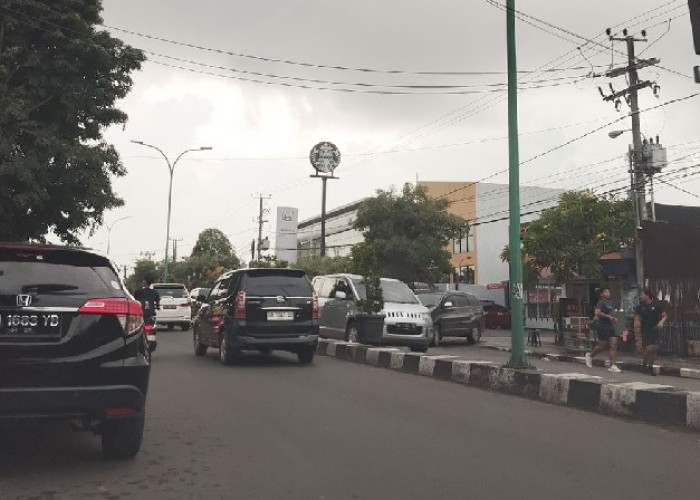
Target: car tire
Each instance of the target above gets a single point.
(185, 326)
(437, 336)
(351, 332)
(171, 327)
(306, 355)
(474, 335)
(121, 438)
(422, 348)
(227, 354)
(199, 348)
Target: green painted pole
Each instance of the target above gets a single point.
(517, 357)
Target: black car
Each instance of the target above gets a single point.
(195, 295)
(72, 344)
(258, 309)
(455, 314)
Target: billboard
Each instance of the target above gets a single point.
(286, 231)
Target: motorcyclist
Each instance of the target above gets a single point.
(149, 298)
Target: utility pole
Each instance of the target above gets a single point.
(517, 357)
(631, 96)
(261, 220)
(175, 240)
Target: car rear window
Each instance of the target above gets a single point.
(55, 274)
(287, 284)
(430, 299)
(176, 292)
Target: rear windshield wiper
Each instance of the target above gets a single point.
(47, 288)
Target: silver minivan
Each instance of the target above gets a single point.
(407, 322)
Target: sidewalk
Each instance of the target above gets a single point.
(628, 361)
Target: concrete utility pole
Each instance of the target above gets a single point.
(175, 240)
(261, 221)
(630, 94)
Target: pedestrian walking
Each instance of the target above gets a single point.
(607, 338)
(649, 317)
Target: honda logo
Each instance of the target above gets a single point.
(281, 299)
(24, 300)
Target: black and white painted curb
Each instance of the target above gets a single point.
(655, 403)
(671, 371)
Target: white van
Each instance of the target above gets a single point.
(407, 322)
(175, 306)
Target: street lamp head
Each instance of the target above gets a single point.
(138, 142)
(205, 148)
(615, 133)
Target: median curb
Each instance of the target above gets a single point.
(653, 403)
(670, 371)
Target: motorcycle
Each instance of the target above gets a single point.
(150, 329)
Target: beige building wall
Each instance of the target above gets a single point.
(462, 198)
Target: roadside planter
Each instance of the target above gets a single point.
(369, 328)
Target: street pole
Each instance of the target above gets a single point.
(323, 218)
(517, 358)
(171, 170)
(109, 230)
(261, 221)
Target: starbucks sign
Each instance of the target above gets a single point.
(325, 157)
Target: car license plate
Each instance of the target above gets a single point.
(280, 315)
(42, 324)
(169, 307)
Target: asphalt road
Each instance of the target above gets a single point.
(272, 429)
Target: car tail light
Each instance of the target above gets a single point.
(119, 411)
(239, 311)
(148, 327)
(314, 307)
(129, 312)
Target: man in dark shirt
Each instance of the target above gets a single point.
(606, 331)
(149, 298)
(649, 317)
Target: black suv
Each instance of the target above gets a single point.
(455, 314)
(72, 344)
(258, 309)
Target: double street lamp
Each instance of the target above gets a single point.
(171, 170)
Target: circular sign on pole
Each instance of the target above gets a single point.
(325, 157)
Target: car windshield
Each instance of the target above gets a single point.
(393, 291)
(430, 299)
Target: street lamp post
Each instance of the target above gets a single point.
(171, 170)
(109, 229)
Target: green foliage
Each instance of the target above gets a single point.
(142, 269)
(366, 263)
(212, 242)
(408, 232)
(269, 261)
(60, 77)
(315, 265)
(531, 275)
(569, 239)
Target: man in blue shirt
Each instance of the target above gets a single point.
(606, 331)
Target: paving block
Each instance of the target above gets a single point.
(396, 362)
(554, 388)
(373, 353)
(693, 410)
(426, 366)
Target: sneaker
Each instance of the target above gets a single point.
(589, 360)
(614, 369)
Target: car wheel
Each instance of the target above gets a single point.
(474, 335)
(437, 336)
(199, 348)
(419, 348)
(351, 332)
(306, 355)
(185, 326)
(226, 353)
(121, 438)
(171, 327)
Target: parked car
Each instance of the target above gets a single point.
(194, 298)
(496, 316)
(258, 309)
(72, 344)
(407, 322)
(455, 314)
(175, 306)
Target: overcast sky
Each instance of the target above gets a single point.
(234, 75)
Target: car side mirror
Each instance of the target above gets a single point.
(341, 295)
(447, 305)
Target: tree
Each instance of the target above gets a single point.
(570, 239)
(212, 242)
(408, 233)
(60, 77)
(142, 269)
(315, 265)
